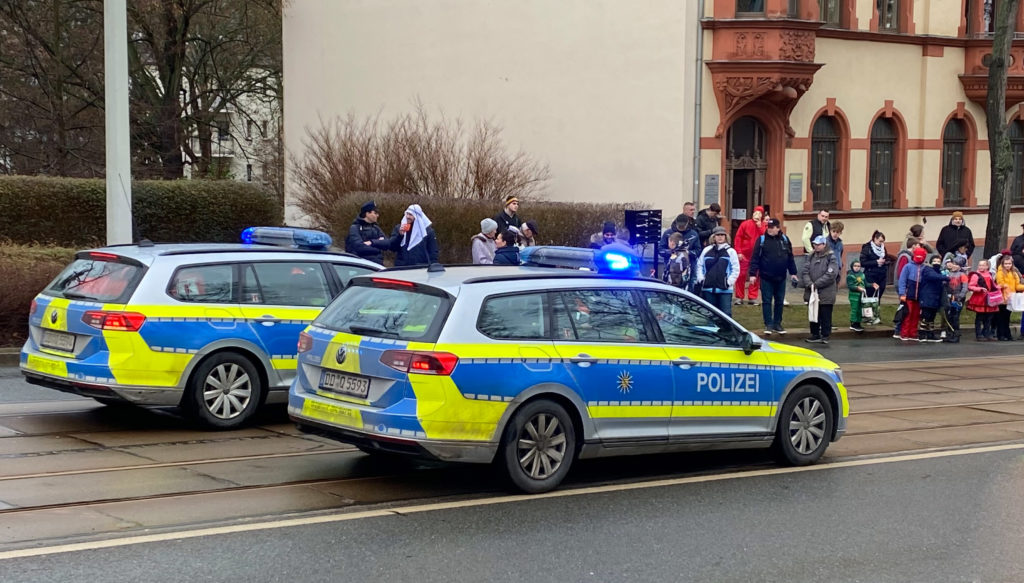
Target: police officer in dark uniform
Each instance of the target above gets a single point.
(365, 237)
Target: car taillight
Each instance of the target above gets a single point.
(305, 342)
(122, 321)
(439, 363)
(32, 307)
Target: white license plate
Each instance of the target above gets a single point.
(345, 384)
(58, 341)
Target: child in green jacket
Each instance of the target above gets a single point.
(856, 284)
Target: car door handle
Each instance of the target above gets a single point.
(268, 320)
(583, 359)
(683, 363)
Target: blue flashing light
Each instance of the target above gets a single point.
(287, 237)
(616, 261)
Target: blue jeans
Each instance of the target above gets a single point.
(722, 301)
(773, 293)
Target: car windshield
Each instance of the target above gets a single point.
(96, 280)
(386, 312)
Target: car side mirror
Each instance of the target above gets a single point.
(750, 344)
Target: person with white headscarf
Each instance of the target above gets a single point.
(414, 240)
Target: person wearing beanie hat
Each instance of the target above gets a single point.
(365, 237)
(718, 268)
(856, 290)
(605, 237)
(528, 234)
(689, 245)
(749, 231)
(482, 244)
(508, 216)
(955, 230)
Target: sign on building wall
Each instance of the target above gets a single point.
(796, 187)
(710, 188)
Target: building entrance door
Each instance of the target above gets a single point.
(746, 167)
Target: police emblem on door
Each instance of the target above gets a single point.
(625, 381)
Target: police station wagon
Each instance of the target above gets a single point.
(532, 368)
(209, 327)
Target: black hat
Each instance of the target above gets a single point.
(532, 225)
(773, 223)
(369, 206)
(609, 227)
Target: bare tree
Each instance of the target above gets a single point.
(411, 154)
(190, 60)
(998, 141)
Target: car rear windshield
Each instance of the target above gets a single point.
(94, 279)
(403, 313)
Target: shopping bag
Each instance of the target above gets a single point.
(812, 306)
(868, 306)
(1016, 303)
(994, 298)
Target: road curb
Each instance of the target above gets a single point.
(10, 356)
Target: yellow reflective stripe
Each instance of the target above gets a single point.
(60, 307)
(845, 408)
(445, 414)
(284, 363)
(679, 411)
(133, 362)
(304, 314)
(613, 411)
(332, 413)
(329, 359)
(48, 366)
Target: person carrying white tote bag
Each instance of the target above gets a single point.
(812, 306)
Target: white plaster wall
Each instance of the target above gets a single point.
(596, 88)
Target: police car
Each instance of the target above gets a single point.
(534, 367)
(209, 327)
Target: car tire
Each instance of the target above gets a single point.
(805, 427)
(225, 391)
(538, 446)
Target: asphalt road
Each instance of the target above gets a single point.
(950, 518)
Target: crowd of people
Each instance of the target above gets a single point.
(933, 288)
(414, 241)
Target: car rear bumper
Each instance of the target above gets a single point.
(336, 421)
(85, 388)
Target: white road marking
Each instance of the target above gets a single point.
(418, 508)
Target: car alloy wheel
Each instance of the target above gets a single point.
(541, 446)
(227, 391)
(807, 425)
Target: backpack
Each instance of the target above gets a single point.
(785, 243)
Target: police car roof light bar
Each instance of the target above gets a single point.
(287, 237)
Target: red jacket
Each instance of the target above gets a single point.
(746, 235)
(980, 283)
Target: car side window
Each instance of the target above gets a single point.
(609, 315)
(519, 316)
(285, 284)
(347, 272)
(203, 284)
(686, 321)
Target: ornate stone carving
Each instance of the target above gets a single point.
(797, 46)
(759, 45)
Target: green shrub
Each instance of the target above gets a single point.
(72, 212)
(456, 220)
(25, 271)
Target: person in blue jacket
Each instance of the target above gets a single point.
(414, 240)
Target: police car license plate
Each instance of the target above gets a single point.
(345, 384)
(58, 341)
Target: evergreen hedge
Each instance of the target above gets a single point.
(71, 212)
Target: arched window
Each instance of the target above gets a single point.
(1016, 134)
(954, 162)
(882, 163)
(824, 162)
(888, 15)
